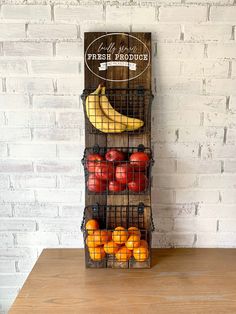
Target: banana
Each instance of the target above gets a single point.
(96, 116)
(131, 123)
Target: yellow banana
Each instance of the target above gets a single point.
(96, 116)
(131, 123)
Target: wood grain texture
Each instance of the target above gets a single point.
(181, 281)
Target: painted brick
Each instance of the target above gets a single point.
(53, 67)
(71, 151)
(9, 31)
(20, 196)
(35, 210)
(12, 279)
(230, 166)
(175, 181)
(74, 86)
(45, 239)
(6, 239)
(14, 102)
(207, 32)
(3, 150)
(217, 211)
(194, 225)
(2, 119)
(26, 12)
(5, 210)
(180, 50)
(7, 267)
(228, 196)
(221, 87)
(129, 14)
(69, 49)
(227, 225)
(217, 181)
(198, 166)
(218, 151)
(176, 118)
(33, 181)
(11, 225)
(220, 119)
(218, 239)
(177, 150)
(164, 224)
(8, 166)
(232, 103)
(183, 14)
(79, 13)
(27, 49)
(173, 239)
(56, 134)
(4, 182)
(59, 196)
(207, 68)
(221, 50)
(30, 119)
(223, 14)
(160, 31)
(68, 182)
(26, 265)
(9, 292)
(12, 67)
(70, 120)
(174, 211)
(14, 134)
(197, 195)
(161, 196)
(164, 165)
(55, 101)
(59, 225)
(178, 85)
(32, 151)
(71, 211)
(167, 67)
(30, 85)
(52, 31)
(57, 166)
(163, 134)
(201, 134)
(73, 240)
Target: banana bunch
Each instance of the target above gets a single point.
(104, 117)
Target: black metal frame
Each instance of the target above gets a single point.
(134, 103)
(128, 151)
(112, 216)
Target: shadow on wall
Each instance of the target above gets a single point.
(167, 213)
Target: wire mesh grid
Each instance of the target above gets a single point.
(117, 170)
(117, 236)
(117, 110)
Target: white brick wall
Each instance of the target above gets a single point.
(42, 126)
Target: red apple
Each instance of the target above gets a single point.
(92, 161)
(139, 183)
(139, 160)
(124, 173)
(96, 185)
(115, 186)
(105, 171)
(115, 156)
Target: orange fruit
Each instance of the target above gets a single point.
(97, 253)
(100, 237)
(141, 253)
(134, 231)
(90, 241)
(144, 243)
(111, 247)
(91, 226)
(123, 255)
(120, 235)
(132, 242)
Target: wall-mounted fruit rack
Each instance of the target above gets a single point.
(117, 105)
(103, 247)
(117, 170)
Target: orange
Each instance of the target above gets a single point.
(120, 235)
(109, 233)
(90, 241)
(134, 231)
(133, 242)
(141, 253)
(100, 237)
(111, 247)
(123, 255)
(144, 243)
(97, 253)
(91, 226)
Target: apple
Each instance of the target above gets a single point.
(115, 156)
(96, 185)
(105, 171)
(115, 186)
(139, 160)
(124, 173)
(139, 183)
(92, 161)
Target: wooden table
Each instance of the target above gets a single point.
(180, 281)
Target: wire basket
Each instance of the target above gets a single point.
(128, 246)
(118, 170)
(130, 103)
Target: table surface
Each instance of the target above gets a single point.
(180, 281)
